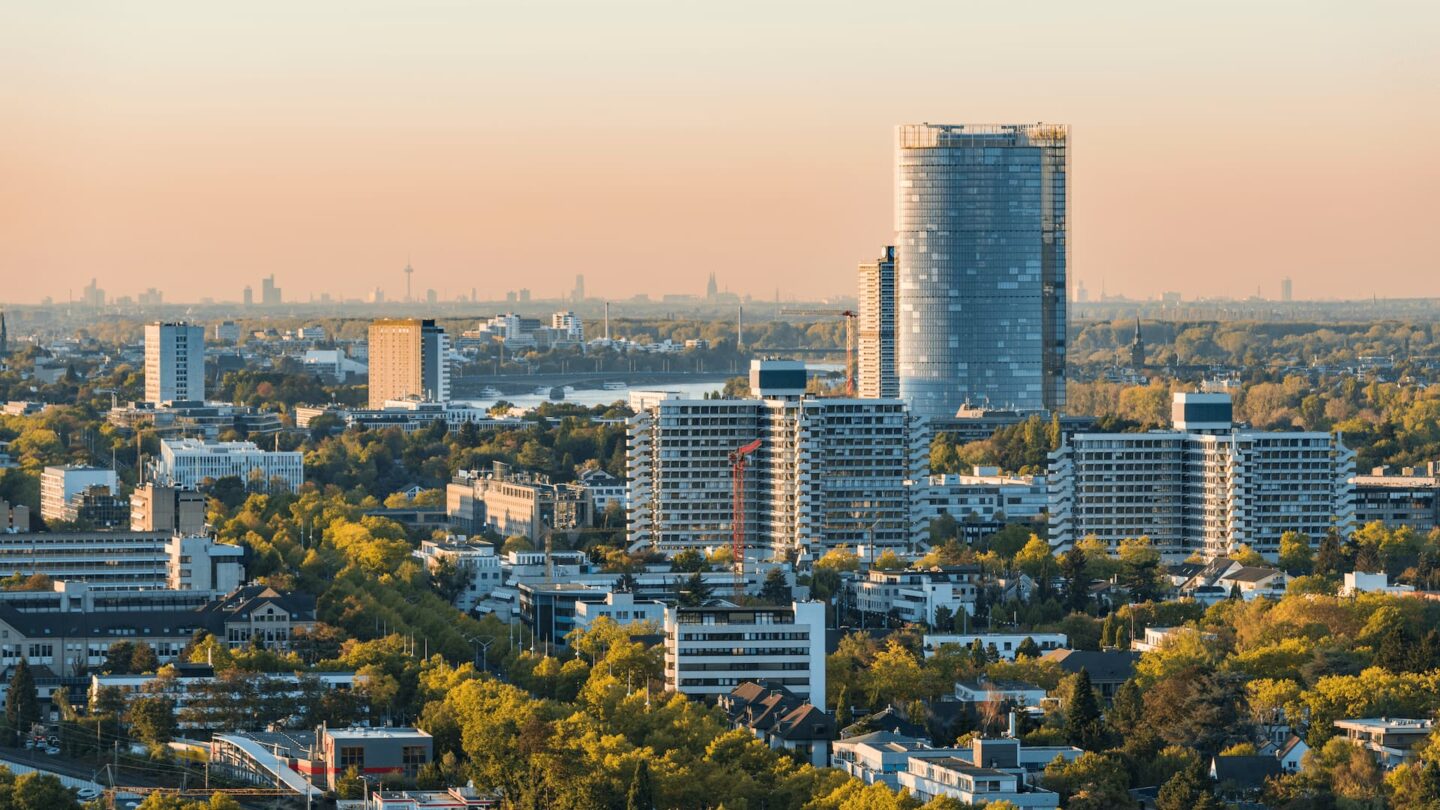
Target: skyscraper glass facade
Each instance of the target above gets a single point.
(981, 217)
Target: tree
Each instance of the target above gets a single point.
(695, 592)
(1082, 713)
(1330, 557)
(776, 588)
(42, 791)
(641, 795)
(152, 719)
(1077, 580)
(143, 659)
(1027, 649)
(689, 561)
(1295, 555)
(350, 786)
(1188, 789)
(22, 701)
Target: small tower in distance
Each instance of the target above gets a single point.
(4, 337)
(1137, 348)
(409, 271)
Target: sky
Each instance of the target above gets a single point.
(1217, 147)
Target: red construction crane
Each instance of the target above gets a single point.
(849, 315)
(737, 508)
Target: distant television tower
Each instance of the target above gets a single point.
(409, 271)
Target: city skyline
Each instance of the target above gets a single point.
(185, 149)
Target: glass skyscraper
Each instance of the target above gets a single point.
(981, 243)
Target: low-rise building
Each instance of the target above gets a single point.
(457, 798)
(1356, 582)
(1411, 498)
(377, 752)
(604, 489)
(983, 502)
(971, 783)
(622, 608)
(1005, 645)
(473, 560)
(61, 488)
(1392, 740)
(14, 518)
(711, 650)
(121, 559)
(1018, 693)
(548, 608)
(203, 420)
(1108, 669)
(510, 503)
(188, 463)
(915, 595)
(774, 714)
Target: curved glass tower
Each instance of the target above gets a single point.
(980, 221)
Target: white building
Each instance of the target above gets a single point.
(188, 462)
(984, 501)
(121, 559)
(475, 559)
(711, 650)
(569, 326)
(914, 596)
(174, 362)
(1358, 582)
(604, 489)
(1207, 486)
(972, 782)
(60, 485)
(1391, 740)
(876, 375)
(1005, 645)
(621, 608)
(828, 471)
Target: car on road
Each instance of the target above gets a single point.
(88, 794)
(52, 750)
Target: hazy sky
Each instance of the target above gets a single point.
(196, 146)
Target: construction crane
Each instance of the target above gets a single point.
(849, 315)
(737, 510)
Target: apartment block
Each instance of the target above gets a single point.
(62, 487)
(174, 362)
(409, 359)
(711, 650)
(1207, 486)
(828, 471)
(1410, 497)
(156, 508)
(875, 340)
(515, 503)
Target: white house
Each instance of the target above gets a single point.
(1004, 644)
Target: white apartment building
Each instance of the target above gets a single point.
(972, 783)
(984, 501)
(60, 485)
(1207, 486)
(569, 326)
(828, 472)
(914, 596)
(188, 462)
(711, 650)
(621, 608)
(174, 362)
(475, 559)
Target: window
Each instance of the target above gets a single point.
(412, 757)
(352, 755)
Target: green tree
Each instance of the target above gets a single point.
(152, 719)
(776, 588)
(1082, 713)
(1188, 789)
(641, 795)
(1295, 555)
(1073, 570)
(695, 592)
(22, 701)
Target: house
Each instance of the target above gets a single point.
(1107, 670)
(1157, 637)
(774, 714)
(984, 691)
(1292, 754)
(1240, 776)
(1391, 739)
(1255, 581)
(1357, 582)
(957, 778)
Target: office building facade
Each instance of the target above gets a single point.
(981, 220)
(187, 463)
(174, 362)
(1207, 486)
(61, 488)
(409, 359)
(875, 341)
(828, 472)
(711, 650)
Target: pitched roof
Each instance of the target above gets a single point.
(1252, 573)
(1245, 771)
(1109, 665)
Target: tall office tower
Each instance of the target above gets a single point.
(829, 471)
(174, 362)
(524, 296)
(408, 358)
(93, 296)
(1287, 290)
(248, 296)
(876, 339)
(579, 294)
(269, 293)
(4, 337)
(981, 217)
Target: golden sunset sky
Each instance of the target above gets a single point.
(196, 146)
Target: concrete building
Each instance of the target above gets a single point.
(409, 359)
(14, 517)
(969, 782)
(1005, 645)
(713, 649)
(829, 471)
(515, 503)
(548, 608)
(621, 608)
(981, 221)
(174, 362)
(227, 332)
(983, 502)
(62, 487)
(604, 489)
(1208, 486)
(1391, 740)
(915, 595)
(875, 341)
(121, 559)
(187, 463)
(569, 326)
(374, 752)
(203, 420)
(476, 560)
(1411, 498)
(156, 508)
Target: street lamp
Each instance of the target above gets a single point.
(482, 644)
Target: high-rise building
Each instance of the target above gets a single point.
(269, 293)
(156, 508)
(876, 338)
(409, 358)
(248, 296)
(174, 362)
(830, 471)
(981, 216)
(713, 649)
(579, 293)
(1206, 486)
(712, 288)
(1287, 289)
(93, 296)
(1137, 348)
(4, 337)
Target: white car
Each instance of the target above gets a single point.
(89, 794)
(52, 750)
